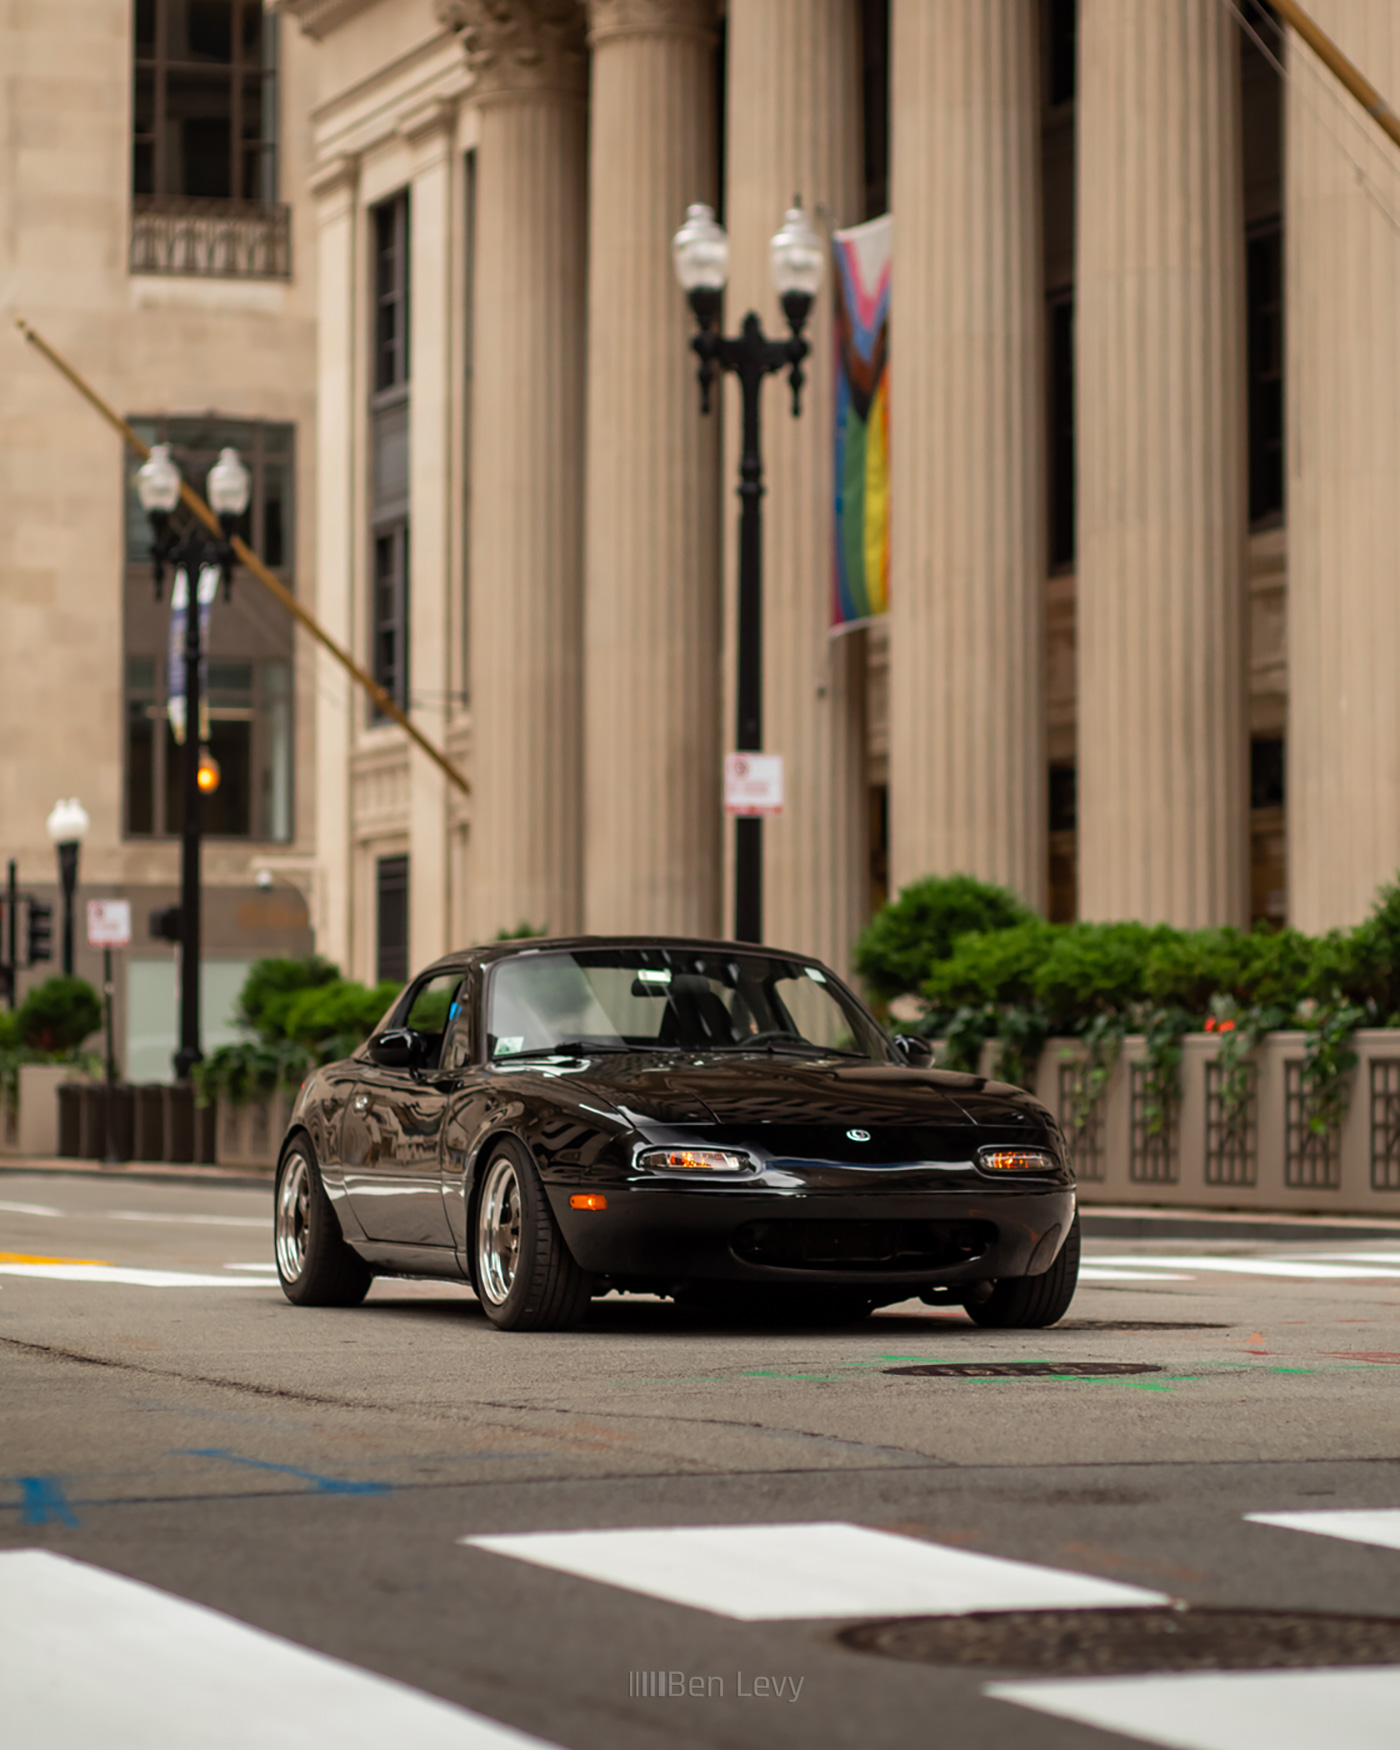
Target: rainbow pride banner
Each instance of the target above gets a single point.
(861, 573)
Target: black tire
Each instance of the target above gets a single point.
(524, 1275)
(1031, 1302)
(314, 1264)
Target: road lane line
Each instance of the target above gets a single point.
(1092, 1273)
(28, 1209)
(193, 1220)
(40, 1258)
(1228, 1710)
(93, 1658)
(127, 1277)
(1375, 1525)
(1250, 1267)
(759, 1573)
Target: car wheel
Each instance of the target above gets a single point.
(314, 1264)
(525, 1276)
(1030, 1302)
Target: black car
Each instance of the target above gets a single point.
(724, 1124)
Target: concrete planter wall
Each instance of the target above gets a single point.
(250, 1133)
(36, 1134)
(1269, 1159)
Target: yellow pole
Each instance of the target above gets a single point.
(1350, 75)
(249, 558)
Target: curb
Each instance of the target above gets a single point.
(1211, 1224)
(144, 1172)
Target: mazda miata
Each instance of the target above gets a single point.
(726, 1125)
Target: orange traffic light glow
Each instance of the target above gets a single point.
(209, 772)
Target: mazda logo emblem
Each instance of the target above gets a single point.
(859, 1135)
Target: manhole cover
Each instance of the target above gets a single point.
(1024, 1369)
(1102, 1643)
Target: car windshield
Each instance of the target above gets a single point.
(671, 999)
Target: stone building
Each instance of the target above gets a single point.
(154, 228)
(1142, 371)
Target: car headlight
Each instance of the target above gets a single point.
(1017, 1160)
(695, 1160)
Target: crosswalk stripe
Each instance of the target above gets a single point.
(761, 1573)
(94, 1658)
(1092, 1273)
(1229, 1710)
(1379, 1526)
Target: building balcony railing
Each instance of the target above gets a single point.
(213, 239)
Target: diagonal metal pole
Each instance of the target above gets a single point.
(248, 557)
(1346, 71)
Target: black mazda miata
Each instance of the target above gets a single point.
(723, 1124)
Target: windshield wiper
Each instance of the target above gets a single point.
(792, 1045)
(565, 1048)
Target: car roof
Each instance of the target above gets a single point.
(487, 952)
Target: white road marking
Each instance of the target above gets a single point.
(29, 1209)
(264, 1267)
(1092, 1273)
(1358, 1257)
(1229, 1710)
(131, 1278)
(94, 1658)
(1253, 1267)
(760, 1573)
(263, 1221)
(1377, 1525)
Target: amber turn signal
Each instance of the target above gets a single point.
(1016, 1160)
(588, 1200)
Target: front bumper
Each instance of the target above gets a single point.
(659, 1233)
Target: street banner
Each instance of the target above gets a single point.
(109, 923)
(753, 784)
(861, 569)
(207, 589)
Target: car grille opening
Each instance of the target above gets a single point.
(897, 1246)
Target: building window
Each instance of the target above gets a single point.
(389, 453)
(1063, 886)
(390, 629)
(391, 919)
(1264, 305)
(1060, 486)
(248, 667)
(391, 293)
(204, 141)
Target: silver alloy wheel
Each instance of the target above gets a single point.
(498, 1230)
(293, 1221)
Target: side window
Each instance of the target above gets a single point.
(432, 1009)
(457, 1040)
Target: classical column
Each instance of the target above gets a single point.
(1161, 503)
(794, 129)
(526, 539)
(337, 698)
(652, 735)
(967, 545)
(1342, 386)
(434, 620)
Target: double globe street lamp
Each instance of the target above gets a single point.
(67, 828)
(199, 563)
(797, 258)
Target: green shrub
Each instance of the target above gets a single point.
(272, 986)
(9, 1030)
(900, 946)
(59, 1014)
(329, 1014)
(997, 968)
(1095, 969)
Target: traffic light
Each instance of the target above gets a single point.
(40, 933)
(165, 924)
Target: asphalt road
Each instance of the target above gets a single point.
(167, 1418)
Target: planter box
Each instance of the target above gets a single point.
(250, 1133)
(38, 1107)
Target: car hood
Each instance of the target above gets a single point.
(787, 1091)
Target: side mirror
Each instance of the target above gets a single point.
(917, 1053)
(399, 1048)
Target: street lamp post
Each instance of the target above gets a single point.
(199, 564)
(797, 258)
(67, 827)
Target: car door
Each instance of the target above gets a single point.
(391, 1139)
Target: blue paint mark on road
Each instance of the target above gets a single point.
(43, 1499)
(323, 1485)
